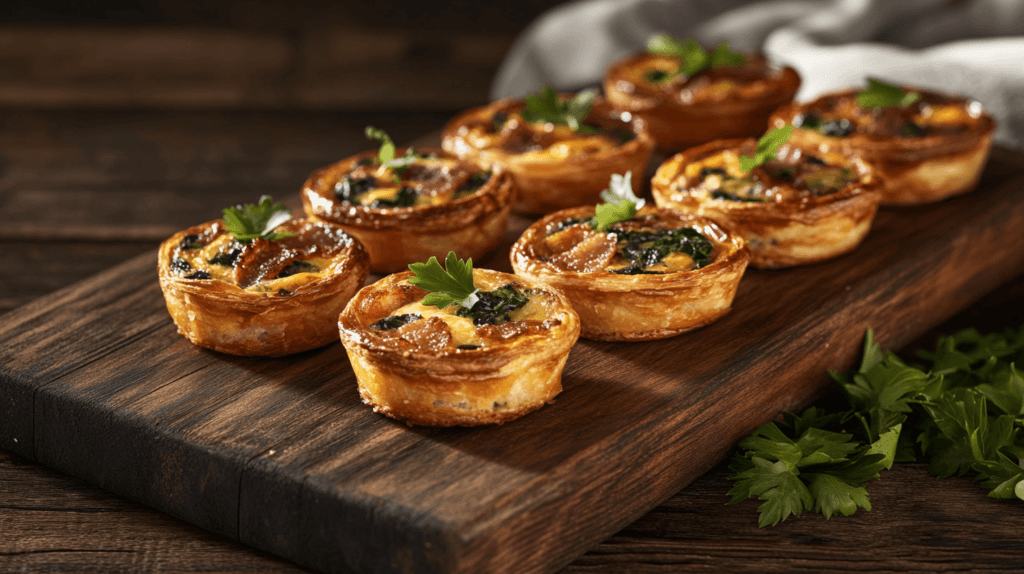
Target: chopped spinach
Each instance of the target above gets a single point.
(912, 130)
(365, 161)
(647, 248)
(349, 188)
(475, 182)
(634, 270)
(406, 198)
(498, 121)
(719, 194)
(396, 321)
(814, 160)
(297, 266)
(180, 266)
(840, 127)
(656, 76)
(198, 275)
(469, 348)
(227, 259)
(190, 242)
(495, 307)
(705, 172)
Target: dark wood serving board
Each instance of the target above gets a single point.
(282, 455)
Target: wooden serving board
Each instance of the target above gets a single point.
(282, 455)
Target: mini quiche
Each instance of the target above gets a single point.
(560, 150)
(425, 203)
(267, 297)
(924, 146)
(688, 96)
(799, 207)
(459, 366)
(655, 275)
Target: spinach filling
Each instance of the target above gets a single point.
(350, 188)
(731, 188)
(190, 242)
(297, 266)
(227, 259)
(495, 307)
(180, 266)
(498, 121)
(473, 183)
(396, 321)
(836, 127)
(656, 76)
(646, 248)
(406, 197)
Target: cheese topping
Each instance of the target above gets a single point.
(425, 181)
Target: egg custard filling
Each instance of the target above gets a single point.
(426, 180)
(793, 175)
(501, 314)
(644, 245)
(274, 267)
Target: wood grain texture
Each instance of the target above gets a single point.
(178, 67)
(281, 454)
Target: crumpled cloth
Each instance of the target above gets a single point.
(970, 47)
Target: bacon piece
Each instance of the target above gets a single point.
(578, 248)
(259, 260)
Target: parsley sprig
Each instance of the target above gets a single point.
(767, 146)
(963, 413)
(386, 154)
(882, 95)
(248, 222)
(692, 56)
(451, 284)
(547, 107)
(620, 204)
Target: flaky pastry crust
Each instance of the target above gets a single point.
(394, 237)
(270, 317)
(715, 103)
(792, 227)
(945, 160)
(641, 307)
(449, 386)
(553, 167)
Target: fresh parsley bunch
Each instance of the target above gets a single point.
(548, 108)
(692, 56)
(248, 222)
(963, 413)
(620, 204)
(882, 95)
(386, 154)
(767, 146)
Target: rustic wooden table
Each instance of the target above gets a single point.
(82, 191)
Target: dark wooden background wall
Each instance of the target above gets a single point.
(274, 54)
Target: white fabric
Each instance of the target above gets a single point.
(969, 47)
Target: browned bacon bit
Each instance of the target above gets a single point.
(578, 248)
(514, 329)
(432, 335)
(259, 260)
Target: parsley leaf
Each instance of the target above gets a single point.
(548, 108)
(386, 152)
(691, 55)
(766, 148)
(248, 222)
(620, 202)
(451, 284)
(882, 95)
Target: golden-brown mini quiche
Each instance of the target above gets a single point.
(407, 205)
(924, 146)
(634, 275)
(687, 96)
(492, 354)
(274, 289)
(560, 149)
(797, 207)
